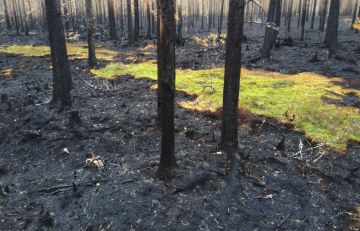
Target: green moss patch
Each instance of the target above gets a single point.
(295, 99)
(75, 51)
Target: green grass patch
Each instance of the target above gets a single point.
(75, 51)
(296, 99)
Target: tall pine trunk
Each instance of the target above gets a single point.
(331, 36)
(313, 15)
(61, 70)
(166, 84)
(354, 15)
(268, 40)
(221, 17)
(129, 19)
(112, 23)
(303, 18)
(90, 21)
(229, 128)
(7, 17)
(136, 22)
(148, 19)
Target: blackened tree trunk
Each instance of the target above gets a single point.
(313, 15)
(299, 12)
(229, 129)
(202, 14)
(268, 40)
(180, 23)
(303, 18)
(331, 36)
(129, 19)
(7, 17)
(121, 18)
(136, 22)
(26, 9)
(16, 19)
(354, 15)
(148, 19)
(61, 71)
(323, 15)
(112, 23)
(90, 21)
(166, 84)
(66, 19)
(290, 12)
(221, 17)
(277, 21)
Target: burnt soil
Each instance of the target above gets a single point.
(45, 185)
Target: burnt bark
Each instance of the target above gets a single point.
(229, 129)
(331, 36)
(7, 17)
(136, 20)
(303, 18)
(61, 70)
(221, 17)
(148, 19)
(90, 23)
(129, 19)
(166, 84)
(323, 15)
(112, 23)
(313, 15)
(267, 45)
(354, 15)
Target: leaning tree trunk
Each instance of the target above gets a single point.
(166, 84)
(303, 18)
(268, 40)
(90, 21)
(331, 36)
(7, 17)
(136, 21)
(129, 16)
(354, 15)
(61, 70)
(229, 128)
(112, 23)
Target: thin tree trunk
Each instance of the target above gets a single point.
(267, 45)
(313, 15)
(14, 6)
(7, 17)
(290, 12)
(61, 71)
(166, 85)
(229, 128)
(299, 11)
(148, 16)
(354, 15)
(221, 17)
(129, 16)
(112, 23)
(122, 18)
(331, 36)
(90, 32)
(324, 14)
(26, 17)
(136, 22)
(180, 23)
(303, 18)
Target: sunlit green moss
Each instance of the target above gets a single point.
(296, 99)
(75, 51)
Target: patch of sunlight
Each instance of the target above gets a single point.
(7, 73)
(296, 99)
(356, 26)
(75, 51)
(356, 217)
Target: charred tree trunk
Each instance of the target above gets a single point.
(121, 18)
(61, 71)
(166, 84)
(136, 22)
(66, 19)
(90, 21)
(180, 23)
(7, 17)
(354, 15)
(148, 16)
(26, 17)
(129, 19)
(112, 23)
(299, 11)
(303, 18)
(268, 40)
(290, 12)
(229, 128)
(221, 17)
(202, 14)
(323, 15)
(331, 36)
(313, 15)
(277, 21)
(17, 27)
